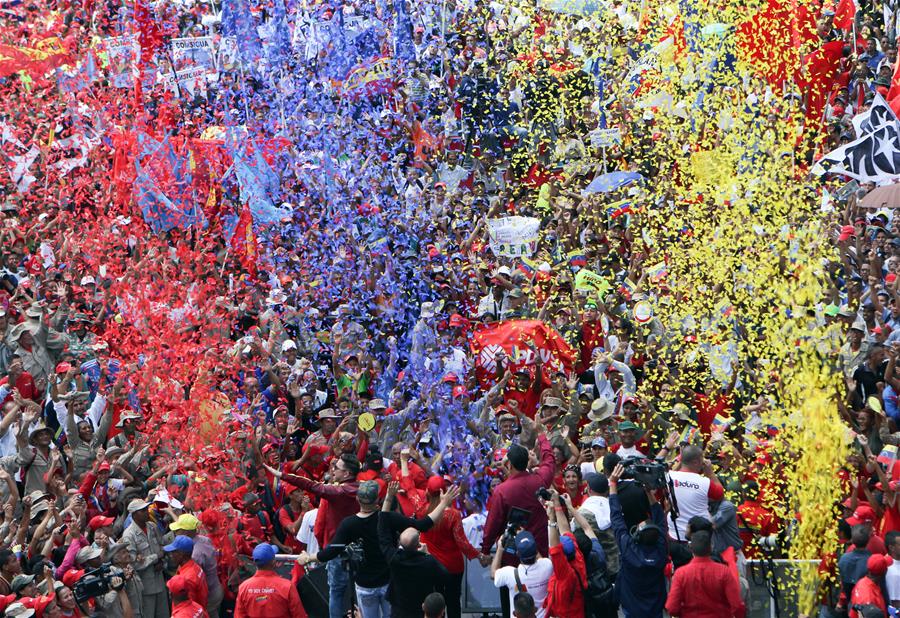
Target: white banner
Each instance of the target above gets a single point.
(514, 236)
(604, 138)
(193, 51)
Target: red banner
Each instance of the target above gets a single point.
(513, 338)
(46, 55)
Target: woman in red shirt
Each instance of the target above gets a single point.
(447, 542)
(572, 484)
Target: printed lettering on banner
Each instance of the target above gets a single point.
(194, 51)
(514, 236)
(122, 53)
(604, 138)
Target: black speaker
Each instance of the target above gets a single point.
(313, 589)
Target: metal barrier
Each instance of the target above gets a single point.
(771, 593)
(479, 596)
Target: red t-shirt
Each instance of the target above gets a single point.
(754, 521)
(564, 592)
(25, 384)
(866, 592)
(447, 542)
(710, 407)
(527, 401)
(197, 590)
(591, 337)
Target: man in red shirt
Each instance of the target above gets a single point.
(266, 595)
(864, 515)
(182, 605)
(337, 502)
(20, 379)
(867, 590)
(254, 525)
(517, 491)
(180, 551)
(703, 588)
(755, 521)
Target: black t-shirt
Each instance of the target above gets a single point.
(867, 380)
(373, 572)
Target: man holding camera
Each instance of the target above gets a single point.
(695, 485)
(643, 556)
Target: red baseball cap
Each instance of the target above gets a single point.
(72, 576)
(459, 391)
(863, 514)
(104, 467)
(434, 485)
(63, 367)
(178, 584)
(99, 521)
(878, 564)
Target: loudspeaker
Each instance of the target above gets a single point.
(313, 589)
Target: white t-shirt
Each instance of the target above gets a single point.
(534, 577)
(591, 467)
(892, 582)
(626, 452)
(599, 506)
(305, 532)
(692, 496)
(478, 578)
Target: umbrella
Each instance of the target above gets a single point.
(606, 183)
(571, 7)
(716, 29)
(886, 196)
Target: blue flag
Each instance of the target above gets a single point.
(404, 49)
(238, 21)
(163, 187)
(258, 182)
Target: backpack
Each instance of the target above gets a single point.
(600, 595)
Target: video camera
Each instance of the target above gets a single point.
(351, 555)
(98, 582)
(516, 520)
(648, 473)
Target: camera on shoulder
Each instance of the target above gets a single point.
(98, 582)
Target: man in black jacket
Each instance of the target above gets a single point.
(414, 575)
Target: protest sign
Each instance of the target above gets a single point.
(121, 54)
(514, 236)
(604, 138)
(589, 281)
(193, 51)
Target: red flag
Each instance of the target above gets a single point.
(46, 55)
(818, 76)
(769, 40)
(844, 15)
(149, 34)
(243, 243)
(511, 337)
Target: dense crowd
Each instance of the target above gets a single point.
(333, 374)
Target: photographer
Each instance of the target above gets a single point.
(694, 486)
(532, 573)
(643, 556)
(115, 603)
